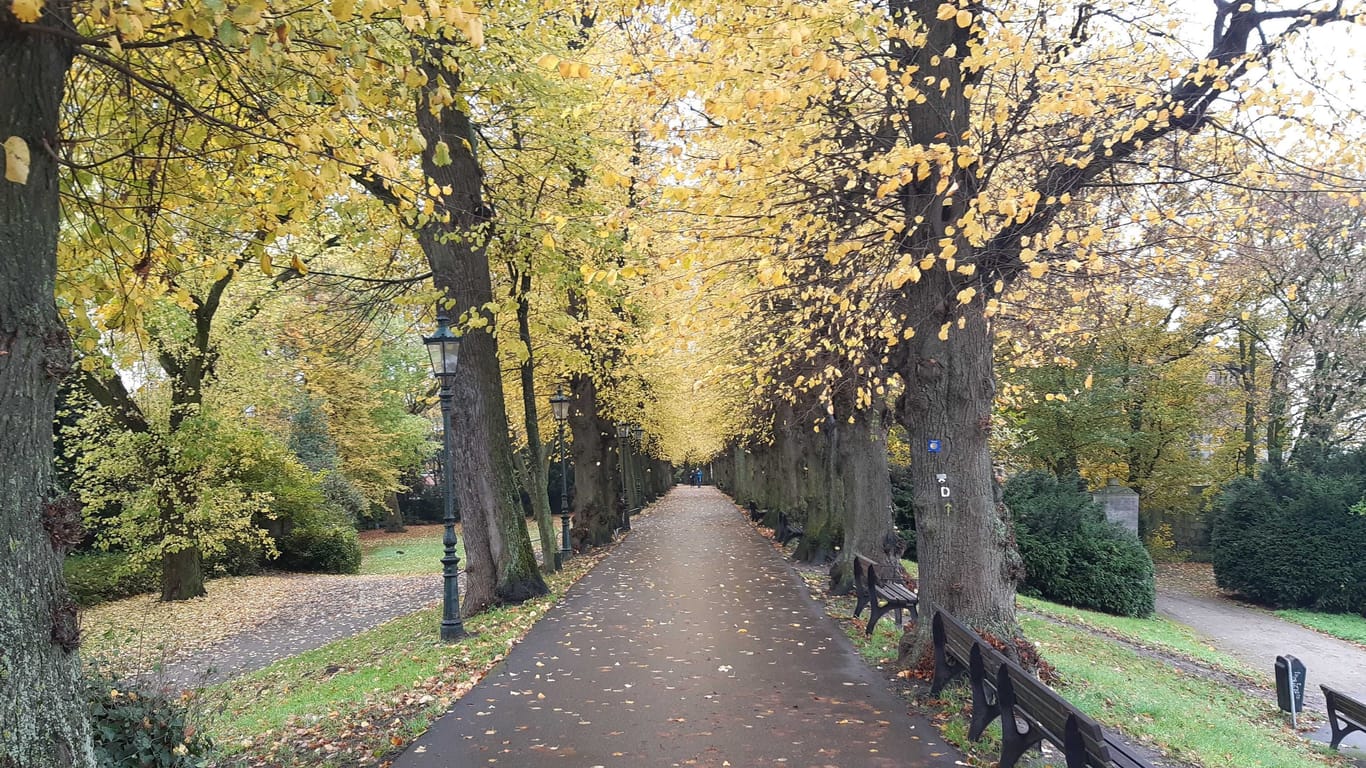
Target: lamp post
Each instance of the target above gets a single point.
(623, 432)
(638, 433)
(559, 406)
(444, 349)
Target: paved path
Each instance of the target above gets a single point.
(691, 644)
(1257, 638)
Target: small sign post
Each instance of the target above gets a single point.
(1290, 676)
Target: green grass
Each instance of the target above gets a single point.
(1346, 626)
(367, 694)
(1153, 632)
(407, 556)
(1192, 719)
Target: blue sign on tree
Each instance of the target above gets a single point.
(933, 446)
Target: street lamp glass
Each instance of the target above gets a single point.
(559, 405)
(623, 430)
(638, 432)
(444, 348)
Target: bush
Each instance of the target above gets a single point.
(324, 548)
(97, 577)
(903, 507)
(1072, 554)
(133, 728)
(1292, 539)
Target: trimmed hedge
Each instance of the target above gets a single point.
(1072, 554)
(1293, 539)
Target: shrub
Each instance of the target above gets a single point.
(1292, 538)
(324, 548)
(133, 728)
(97, 577)
(1072, 554)
(1161, 546)
(903, 507)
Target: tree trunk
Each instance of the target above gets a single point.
(866, 486)
(595, 467)
(536, 475)
(182, 574)
(965, 542)
(393, 516)
(43, 720)
(502, 565)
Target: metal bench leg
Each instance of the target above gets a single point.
(984, 709)
(898, 617)
(860, 603)
(945, 668)
(1014, 742)
(875, 613)
(1341, 729)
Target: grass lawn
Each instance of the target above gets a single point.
(354, 700)
(413, 552)
(1347, 626)
(1196, 721)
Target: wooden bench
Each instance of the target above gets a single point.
(786, 530)
(878, 595)
(1345, 714)
(1002, 689)
(756, 515)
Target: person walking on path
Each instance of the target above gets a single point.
(691, 644)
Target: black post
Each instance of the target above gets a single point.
(565, 551)
(625, 482)
(452, 627)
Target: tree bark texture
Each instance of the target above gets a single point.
(536, 474)
(596, 477)
(869, 524)
(43, 720)
(501, 564)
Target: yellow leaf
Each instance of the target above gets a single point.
(965, 19)
(26, 11)
(946, 11)
(1290, 293)
(548, 61)
(16, 157)
(1090, 379)
(265, 264)
(298, 264)
(548, 241)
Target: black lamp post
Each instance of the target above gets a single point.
(559, 406)
(623, 432)
(444, 349)
(637, 454)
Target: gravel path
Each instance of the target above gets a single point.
(1257, 637)
(322, 609)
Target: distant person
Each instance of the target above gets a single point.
(697, 478)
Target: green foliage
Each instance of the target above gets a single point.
(903, 507)
(142, 729)
(308, 436)
(1161, 546)
(339, 494)
(200, 486)
(1293, 538)
(96, 577)
(324, 547)
(1074, 556)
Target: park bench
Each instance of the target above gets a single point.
(879, 595)
(756, 515)
(1001, 688)
(1345, 714)
(786, 531)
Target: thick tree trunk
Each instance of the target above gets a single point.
(818, 490)
(43, 720)
(393, 516)
(596, 479)
(965, 542)
(182, 574)
(866, 487)
(501, 565)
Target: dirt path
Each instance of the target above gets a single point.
(1187, 594)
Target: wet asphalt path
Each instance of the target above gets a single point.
(691, 644)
